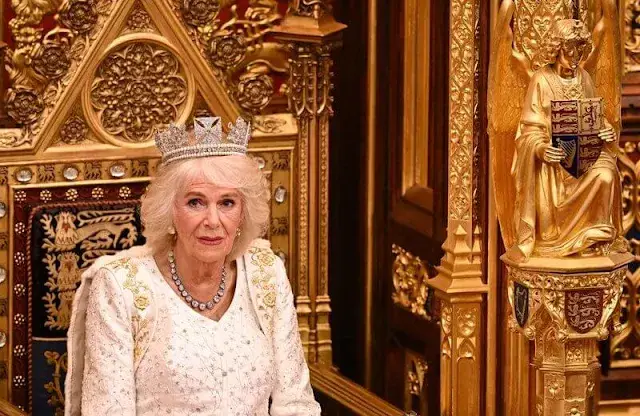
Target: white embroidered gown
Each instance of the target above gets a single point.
(194, 365)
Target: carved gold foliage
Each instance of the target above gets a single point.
(416, 369)
(40, 68)
(467, 324)
(236, 48)
(632, 36)
(445, 325)
(410, 277)
(534, 21)
(625, 344)
(136, 88)
(462, 62)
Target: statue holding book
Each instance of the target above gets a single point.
(565, 198)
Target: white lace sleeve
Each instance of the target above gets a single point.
(108, 386)
(292, 394)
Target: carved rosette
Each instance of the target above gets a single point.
(74, 130)
(227, 50)
(577, 305)
(200, 12)
(136, 88)
(79, 15)
(254, 91)
(24, 105)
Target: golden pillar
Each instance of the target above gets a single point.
(459, 287)
(311, 33)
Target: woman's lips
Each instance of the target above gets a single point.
(210, 241)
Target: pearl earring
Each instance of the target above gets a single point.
(171, 230)
(238, 232)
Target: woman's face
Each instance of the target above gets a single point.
(206, 219)
(571, 54)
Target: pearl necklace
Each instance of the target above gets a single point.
(195, 304)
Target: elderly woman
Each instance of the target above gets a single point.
(201, 319)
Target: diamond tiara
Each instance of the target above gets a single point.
(175, 143)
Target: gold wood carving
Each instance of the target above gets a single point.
(632, 36)
(415, 375)
(137, 88)
(458, 285)
(410, 282)
(236, 49)
(310, 101)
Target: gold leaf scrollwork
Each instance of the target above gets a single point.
(269, 125)
(137, 88)
(54, 388)
(410, 282)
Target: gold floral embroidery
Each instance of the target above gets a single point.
(263, 277)
(141, 330)
(141, 300)
(138, 289)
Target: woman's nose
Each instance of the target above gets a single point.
(212, 220)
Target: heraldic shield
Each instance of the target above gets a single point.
(583, 309)
(521, 303)
(575, 125)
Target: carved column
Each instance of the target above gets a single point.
(459, 286)
(311, 32)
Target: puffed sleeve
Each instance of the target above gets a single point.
(108, 386)
(292, 394)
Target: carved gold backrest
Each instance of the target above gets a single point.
(87, 97)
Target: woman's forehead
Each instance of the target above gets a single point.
(206, 187)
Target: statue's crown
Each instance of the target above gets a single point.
(175, 143)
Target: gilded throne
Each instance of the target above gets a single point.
(90, 82)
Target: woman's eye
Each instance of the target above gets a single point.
(228, 203)
(195, 202)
